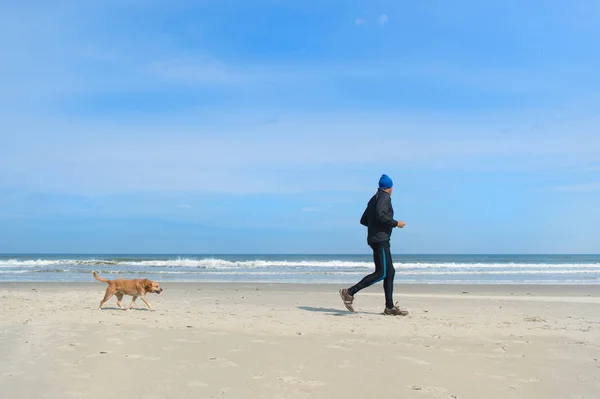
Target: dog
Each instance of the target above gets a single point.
(138, 287)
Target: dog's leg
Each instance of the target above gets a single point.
(132, 302)
(119, 299)
(109, 293)
(146, 302)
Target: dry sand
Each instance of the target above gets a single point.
(296, 341)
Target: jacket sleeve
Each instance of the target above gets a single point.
(363, 219)
(383, 210)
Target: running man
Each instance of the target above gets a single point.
(379, 219)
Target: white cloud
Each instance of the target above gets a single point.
(311, 209)
(579, 187)
(203, 70)
(359, 21)
(235, 153)
(383, 20)
(183, 206)
(207, 70)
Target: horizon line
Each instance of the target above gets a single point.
(290, 254)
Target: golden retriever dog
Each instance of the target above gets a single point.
(134, 288)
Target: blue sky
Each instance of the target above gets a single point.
(262, 127)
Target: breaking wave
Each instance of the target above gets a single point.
(216, 263)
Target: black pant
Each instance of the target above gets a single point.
(384, 270)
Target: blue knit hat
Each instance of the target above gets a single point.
(385, 182)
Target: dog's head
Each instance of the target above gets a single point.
(152, 286)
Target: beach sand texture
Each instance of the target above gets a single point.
(297, 341)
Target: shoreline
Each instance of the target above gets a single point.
(402, 292)
(325, 283)
(573, 270)
(404, 285)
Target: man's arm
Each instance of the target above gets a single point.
(363, 219)
(382, 210)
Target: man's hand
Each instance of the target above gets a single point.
(401, 224)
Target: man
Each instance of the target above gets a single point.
(379, 219)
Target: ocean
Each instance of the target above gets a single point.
(334, 269)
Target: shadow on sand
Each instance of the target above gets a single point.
(140, 309)
(332, 312)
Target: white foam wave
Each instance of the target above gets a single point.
(207, 263)
(416, 273)
(246, 264)
(14, 271)
(316, 273)
(215, 263)
(53, 262)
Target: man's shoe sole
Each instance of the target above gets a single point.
(403, 313)
(347, 305)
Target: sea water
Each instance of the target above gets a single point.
(427, 269)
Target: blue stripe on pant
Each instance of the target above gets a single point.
(382, 264)
(381, 272)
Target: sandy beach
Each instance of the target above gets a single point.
(296, 341)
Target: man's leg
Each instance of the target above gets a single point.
(388, 286)
(379, 274)
(388, 282)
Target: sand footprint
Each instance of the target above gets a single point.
(223, 362)
(412, 359)
(136, 357)
(437, 392)
(298, 381)
(346, 365)
(197, 384)
(187, 341)
(344, 348)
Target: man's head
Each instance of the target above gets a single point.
(385, 183)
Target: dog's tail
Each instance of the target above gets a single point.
(100, 278)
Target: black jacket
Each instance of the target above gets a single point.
(379, 218)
